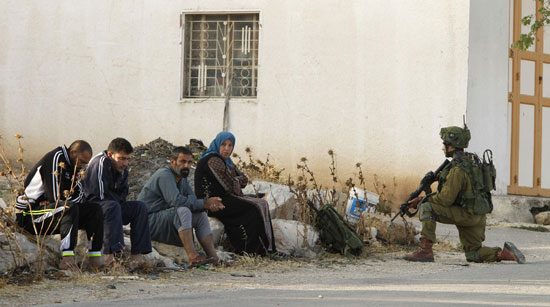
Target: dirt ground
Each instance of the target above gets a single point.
(244, 273)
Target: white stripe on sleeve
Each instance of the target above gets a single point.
(100, 177)
(55, 177)
(34, 190)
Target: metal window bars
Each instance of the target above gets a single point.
(221, 55)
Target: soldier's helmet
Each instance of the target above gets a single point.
(455, 136)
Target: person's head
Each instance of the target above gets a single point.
(119, 151)
(181, 159)
(80, 153)
(455, 139)
(226, 148)
(223, 145)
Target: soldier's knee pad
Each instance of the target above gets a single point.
(426, 212)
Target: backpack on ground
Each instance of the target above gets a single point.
(334, 232)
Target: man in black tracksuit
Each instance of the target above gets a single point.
(106, 183)
(49, 207)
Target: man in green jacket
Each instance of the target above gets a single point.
(458, 202)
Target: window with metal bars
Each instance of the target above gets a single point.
(220, 55)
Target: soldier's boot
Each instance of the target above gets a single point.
(510, 253)
(423, 254)
(68, 263)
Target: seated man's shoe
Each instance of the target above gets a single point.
(112, 259)
(137, 263)
(423, 254)
(95, 264)
(68, 263)
(510, 253)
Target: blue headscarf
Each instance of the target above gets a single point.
(217, 142)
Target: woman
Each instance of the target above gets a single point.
(246, 219)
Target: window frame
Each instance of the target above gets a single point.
(183, 43)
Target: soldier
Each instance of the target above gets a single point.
(459, 201)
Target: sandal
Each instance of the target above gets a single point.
(201, 260)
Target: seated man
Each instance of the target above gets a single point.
(106, 184)
(49, 207)
(174, 209)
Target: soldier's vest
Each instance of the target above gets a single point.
(481, 175)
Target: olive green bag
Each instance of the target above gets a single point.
(335, 233)
(482, 176)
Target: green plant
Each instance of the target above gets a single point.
(535, 22)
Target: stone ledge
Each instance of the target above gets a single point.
(516, 209)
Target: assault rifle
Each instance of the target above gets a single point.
(425, 186)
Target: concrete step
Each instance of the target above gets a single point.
(517, 209)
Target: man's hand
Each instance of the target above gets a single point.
(413, 203)
(213, 204)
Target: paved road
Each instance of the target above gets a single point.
(505, 285)
(393, 282)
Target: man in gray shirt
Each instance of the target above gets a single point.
(174, 210)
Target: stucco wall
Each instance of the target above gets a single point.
(487, 110)
(373, 80)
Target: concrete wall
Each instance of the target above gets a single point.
(487, 110)
(372, 80)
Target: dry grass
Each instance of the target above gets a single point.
(15, 174)
(256, 169)
(305, 187)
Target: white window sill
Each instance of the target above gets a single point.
(219, 100)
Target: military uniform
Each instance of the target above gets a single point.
(445, 207)
(461, 201)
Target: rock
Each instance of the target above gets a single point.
(12, 257)
(5, 190)
(398, 232)
(175, 253)
(167, 255)
(162, 254)
(282, 203)
(516, 209)
(217, 230)
(374, 233)
(225, 256)
(148, 158)
(156, 259)
(144, 161)
(543, 218)
(295, 238)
